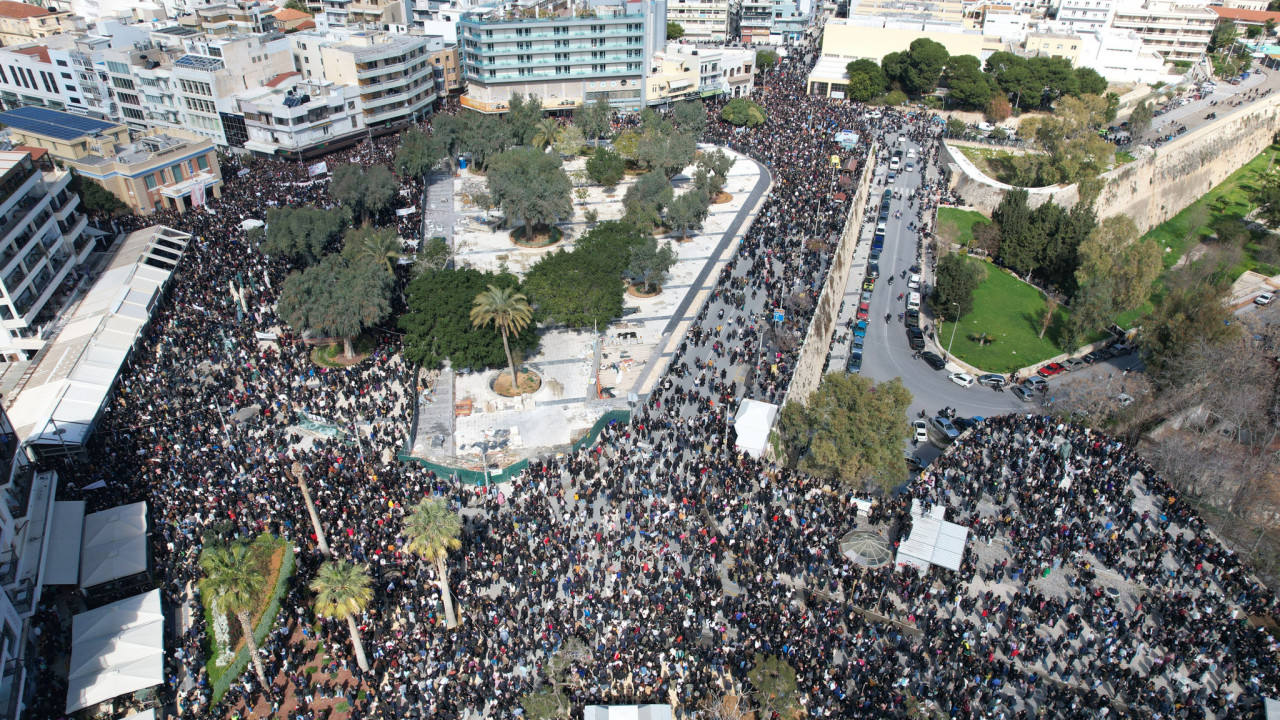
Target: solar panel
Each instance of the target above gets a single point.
(53, 123)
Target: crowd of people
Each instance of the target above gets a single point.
(659, 563)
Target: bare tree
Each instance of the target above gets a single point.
(1050, 307)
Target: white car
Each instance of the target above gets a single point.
(1264, 299)
(913, 301)
(911, 167)
(964, 380)
(913, 282)
(874, 114)
(921, 431)
(911, 154)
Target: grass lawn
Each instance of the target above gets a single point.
(994, 163)
(956, 226)
(1123, 157)
(1010, 311)
(1230, 199)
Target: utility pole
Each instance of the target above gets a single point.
(954, 323)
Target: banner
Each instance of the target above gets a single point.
(407, 211)
(243, 172)
(272, 337)
(319, 168)
(197, 194)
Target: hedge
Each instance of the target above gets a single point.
(238, 665)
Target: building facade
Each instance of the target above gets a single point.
(1084, 16)
(58, 73)
(21, 23)
(393, 75)
(298, 118)
(1177, 30)
(564, 59)
(715, 70)
(702, 20)
(42, 240)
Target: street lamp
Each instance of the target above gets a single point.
(954, 323)
(632, 399)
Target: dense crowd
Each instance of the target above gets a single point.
(670, 560)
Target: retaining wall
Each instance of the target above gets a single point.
(985, 193)
(817, 341)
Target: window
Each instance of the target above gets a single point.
(132, 113)
(123, 83)
(177, 173)
(196, 88)
(150, 181)
(66, 76)
(117, 68)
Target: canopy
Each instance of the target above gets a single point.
(627, 712)
(62, 560)
(933, 541)
(868, 549)
(753, 423)
(115, 544)
(116, 649)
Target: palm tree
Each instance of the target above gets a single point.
(297, 472)
(545, 133)
(382, 246)
(342, 592)
(431, 531)
(234, 583)
(508, 311)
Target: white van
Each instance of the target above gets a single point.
(913, 301)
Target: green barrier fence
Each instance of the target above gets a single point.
(476, 477)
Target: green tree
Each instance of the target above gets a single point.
(378, 245)
(336, 299)
(569, 141)
(918, 70)
(645, 200)
(584, 288)
(437, 324)
(435, 255)
(688, 211)
(956, 127)
(969, 85)
(848, 430)
(874, 73)
(956, 280)
(691, 118)
(1116, 258)
(235, 584)
(547, 703)
(296, 5)
(1068, 148)
(650, 263)
(1113, 106)
(1089, 82)
(1266, 195)
(773, 681)
(506, 310)
(766, 59)
(431, 531)
(606, 167)
(1092, 309)
(675, 30)
(95, 198)
(1224, 35)
(522, 117)
(743, 112)
(532, 187)
(860, 88)
(594, 119)
(627, 144)
(365, 192)
(484, 136)
(1140, 118)
(717, 163)
(1018, 249)
(666, 153)
(1060, 251)
(418, 153)
(343, 591)
(1188, 314)
(545, 133)
(302, 234)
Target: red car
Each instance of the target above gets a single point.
(1050, 370)
(863, 310)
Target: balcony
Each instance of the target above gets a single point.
(580, 60)
(487, 20)
(513, 77)
(511, 37)
(17, 493)
(179, 189)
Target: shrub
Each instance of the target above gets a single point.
(743, 112)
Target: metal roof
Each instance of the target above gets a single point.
(200, 62)
(52, 123)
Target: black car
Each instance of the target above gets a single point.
(873, 270)
(884, 214)
(915, 338)
(933, 360)
(913, 318)
(855, 361)
(875, 256)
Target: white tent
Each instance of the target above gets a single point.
(627, 712)
(753, 422)
(933, 541)
(114, 545)
(115, 650)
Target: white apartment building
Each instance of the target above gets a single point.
(702, 20)
(56, 73)
(298, 118)
(755, 21)
(1079, 17)
(1177, 29)
(1121, 56)
(42, 241)
(720, 70)
(392, 74)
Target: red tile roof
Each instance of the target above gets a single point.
(307, 25)
(39, 51)
(275, 81)
(287, 14)
(36, 153)
(11, 9)
(1258, 17)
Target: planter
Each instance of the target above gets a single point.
(721, 198)
(636, 290)
(552, 236)
(530, 382)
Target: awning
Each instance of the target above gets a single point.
(933, 541)
(681, 84)
(712, 93)
(62, 560)
(752, 423)
(116, 649)
(115, 544)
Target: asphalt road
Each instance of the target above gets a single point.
(1193, 114)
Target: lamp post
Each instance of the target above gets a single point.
(632, 399)
(296, 470)
(954, 323)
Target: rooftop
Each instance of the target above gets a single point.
(53, 123)
(200, 62)
(382, 44)
(39, 51)
(287, 14)
(10, 9)
(9, 159)
(1249, 16)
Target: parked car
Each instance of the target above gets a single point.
(913, 282)
(911, 154)
(860, 330)
(920, 431)
(945, 427)
(1035, 382)
(933, 360)
(915, 338)
(1092, 358)
(855, 361)
(1023, 393)
(914, 463)
(913, 301)
(866, 297)
(869, 284)
(1072, 364)
(1264, 299)
(913, 318)
(992, 380)
(964, 380)
(893, 177)
(858, 341)
(1050, 370)
(864, 310)
(886, 195)
(873, 270)
(966, 423)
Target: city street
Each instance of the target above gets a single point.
(1192, 115)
